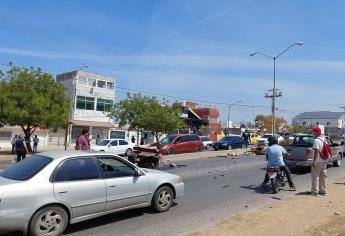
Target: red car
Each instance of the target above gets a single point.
(181, 143)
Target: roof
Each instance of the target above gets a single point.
(71, 153)
(91, 123)
(207, 112)
(319, 115)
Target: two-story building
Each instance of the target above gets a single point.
(334, 122)
(92, 96)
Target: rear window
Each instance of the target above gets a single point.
(304, 141)
(27, 168)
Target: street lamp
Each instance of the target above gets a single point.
(274, 91)
(231, 105)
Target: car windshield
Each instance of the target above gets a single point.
(168, 139)
(304, 141)
(267, 136)
(103, 143)
(27, 168)
(227, 138)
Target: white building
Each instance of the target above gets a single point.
(334, 122)
(92, 98)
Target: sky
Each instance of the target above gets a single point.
(194, 50)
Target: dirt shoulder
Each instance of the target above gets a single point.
(299, 215)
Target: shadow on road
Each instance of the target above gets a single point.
(257, 189)
(108, 219)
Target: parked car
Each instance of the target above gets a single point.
(114, 146)
(264, 138)
(228, 142)
(206, 141)
(301, 152)
(181, 143)
(44, 193)
(254, 138)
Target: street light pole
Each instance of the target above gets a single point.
(274, 91)
(230, 105)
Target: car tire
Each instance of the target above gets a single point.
(337, 163)
(128, 152)
(46, 219)
(197, 149)
(274, 185)
(171, 151)
(162, 199)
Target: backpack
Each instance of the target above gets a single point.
(326, 151)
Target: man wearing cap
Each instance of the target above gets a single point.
(318, 168)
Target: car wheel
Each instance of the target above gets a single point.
(128, 152)
(49, 221)
(162, 199)
(171, 152)
(337, 163)
(197, 149)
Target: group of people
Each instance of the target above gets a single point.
(21, 146)
(275, 154)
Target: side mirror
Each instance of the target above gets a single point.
(138, 172)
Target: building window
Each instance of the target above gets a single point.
(82, 80)
(304, 123)
(328, 123)
(92, 82)
(101, 84)
(85, 103)
(104, 105)
(110, 85)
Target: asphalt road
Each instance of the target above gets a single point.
(215, 188)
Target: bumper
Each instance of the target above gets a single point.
(179, 190)
(306, 163)
(10, 222)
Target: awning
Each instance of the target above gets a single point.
(91, 124)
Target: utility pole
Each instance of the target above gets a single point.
(273, 95)
(343, 119)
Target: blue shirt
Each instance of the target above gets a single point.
(275, 155)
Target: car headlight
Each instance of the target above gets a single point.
(179, 180)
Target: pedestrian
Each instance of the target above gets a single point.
(21, 148)
(97, 139)
(318, 168)
(245, 138)
(133, 139)
(13, 142)
(83, 140)
(35, 140)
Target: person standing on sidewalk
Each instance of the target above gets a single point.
(13, 142)
(318, 168)
(83, 140)
(35, 140)
(21, 149)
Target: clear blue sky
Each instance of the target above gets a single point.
(193, 49)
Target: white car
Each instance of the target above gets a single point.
(206, 141)
(114, 146)
(264, 138)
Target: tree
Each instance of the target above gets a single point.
(265, 123)
(142, 112)
(33, 99)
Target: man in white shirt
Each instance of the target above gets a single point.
(318, 168)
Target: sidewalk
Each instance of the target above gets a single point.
(299, 215)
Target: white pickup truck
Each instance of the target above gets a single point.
(300, 152)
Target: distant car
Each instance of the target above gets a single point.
(228, 142)
(114, 146)
(181, 143)
(44, 193)
(264, 138)
(206, 141)
(254, 138)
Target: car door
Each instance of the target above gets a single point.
(178, 145)
(188, 145)
(123, 146)
(124, 187)
(77, 182)
(114, 147)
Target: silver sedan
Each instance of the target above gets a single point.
(44, 193)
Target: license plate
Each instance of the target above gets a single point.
(272, 175)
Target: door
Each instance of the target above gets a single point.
(124, 187)
(78, 183)
(123, 145)
(178, 145)
(114, 147)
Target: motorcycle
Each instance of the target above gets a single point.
(277, 178)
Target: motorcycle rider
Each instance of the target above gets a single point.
(274, 155)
